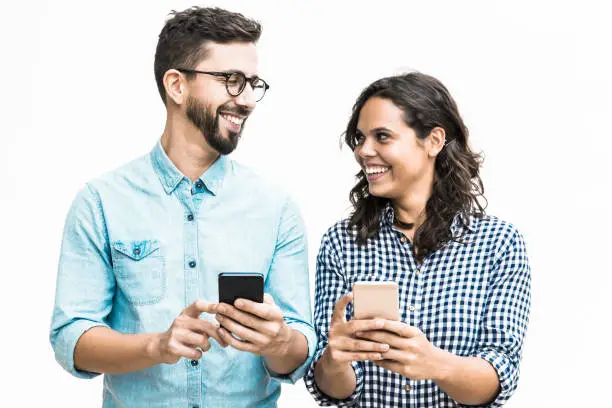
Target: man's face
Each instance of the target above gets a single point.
(220, 116)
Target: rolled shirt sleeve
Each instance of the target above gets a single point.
(330, 286)
(85, 282)
(289, 284)
(506, 315)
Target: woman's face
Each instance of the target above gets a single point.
(394, 159)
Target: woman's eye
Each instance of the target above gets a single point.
(382, 136)
(359, 138)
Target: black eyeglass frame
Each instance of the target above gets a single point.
(227, 76)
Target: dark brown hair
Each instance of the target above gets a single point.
(457, 187)
(182, 42)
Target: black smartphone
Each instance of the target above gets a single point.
(234, 285)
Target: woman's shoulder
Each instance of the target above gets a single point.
(493, 226)
(340, 229)
(497, 232)
(339, 235)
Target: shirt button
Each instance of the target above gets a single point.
(199, 185)
(192, 264)
(412, 308)
(403, 239)
(136, 251)
(194, 363)
(190, 217)
(417, 272)
(407, 388)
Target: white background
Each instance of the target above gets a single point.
(531, 80)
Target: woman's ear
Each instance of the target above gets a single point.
(435, 141)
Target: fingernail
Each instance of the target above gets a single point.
(379, 323)
(359, 334)
(219, 318)
(385, 347)
(239, 303)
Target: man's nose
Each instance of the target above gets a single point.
(247, 98)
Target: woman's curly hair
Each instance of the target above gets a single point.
(457, 187)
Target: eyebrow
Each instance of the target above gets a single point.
(237, 70)
(378, 129)
(381, 128)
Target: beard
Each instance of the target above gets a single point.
(202, 117)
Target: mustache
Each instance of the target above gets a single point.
(237, 110)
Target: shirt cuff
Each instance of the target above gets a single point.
(299, 372)
(325, 400)
(65, 343)
(506, 372)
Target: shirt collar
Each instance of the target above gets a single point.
(214, 176)
(459, 222)
(167, 172)
(170, 176)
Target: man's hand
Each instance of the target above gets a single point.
(187, 336)
(260, 326)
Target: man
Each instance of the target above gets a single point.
(143, 246)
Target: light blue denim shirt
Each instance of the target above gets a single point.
(143, 242)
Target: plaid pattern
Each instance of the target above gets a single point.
(471, 298)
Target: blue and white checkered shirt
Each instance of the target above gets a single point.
(470, 298)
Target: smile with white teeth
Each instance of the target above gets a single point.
(376, 170)
(231, 118)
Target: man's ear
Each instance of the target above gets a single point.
(435, 141)
(174, 83)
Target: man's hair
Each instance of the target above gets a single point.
(183, 40)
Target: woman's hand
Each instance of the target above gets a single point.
(411, 354)
(343, 346)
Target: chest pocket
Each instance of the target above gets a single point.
(139, 270)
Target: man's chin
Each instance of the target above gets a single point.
(231, 138)
(228, 146)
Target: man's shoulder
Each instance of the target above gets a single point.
(137, 172)
(256, 185)
(246, 173)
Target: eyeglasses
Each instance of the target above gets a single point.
(235, 82)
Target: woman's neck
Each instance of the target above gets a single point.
(410, 211)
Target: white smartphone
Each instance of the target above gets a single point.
(376, 299)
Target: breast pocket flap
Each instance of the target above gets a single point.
(136, 250)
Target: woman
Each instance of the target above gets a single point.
(463, 277)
